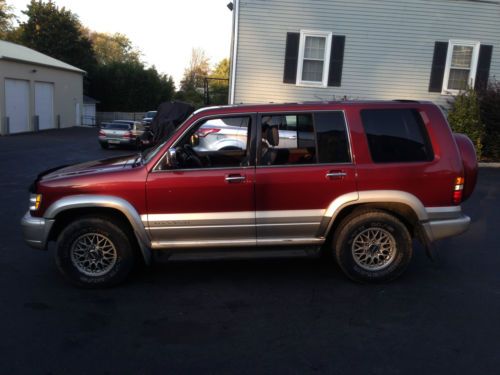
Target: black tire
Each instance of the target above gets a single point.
(372, 246)
(102, 229)
(104, 145)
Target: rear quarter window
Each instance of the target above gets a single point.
(396, 135)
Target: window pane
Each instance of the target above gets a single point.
(396, 135)
(215, 143)
(462, 57)
(312, 71)
(333, 146)
(314, 47)
(458, 79)
(296, 145)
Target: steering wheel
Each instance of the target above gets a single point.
(191, 159)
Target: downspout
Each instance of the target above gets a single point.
(234, 46)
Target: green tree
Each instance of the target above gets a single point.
(221, 70)
(109, 48)
(464, 117)
(6, 18)
(129, 86)
(56, 32)
(219, 83)
(192, 83)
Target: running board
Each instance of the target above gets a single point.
(240, 254)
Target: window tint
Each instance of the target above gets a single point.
(287, 140)
(396, 135)
(331, 132)
(215, 143)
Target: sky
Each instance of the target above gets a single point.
(164, 30)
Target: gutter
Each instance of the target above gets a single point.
(236, 16)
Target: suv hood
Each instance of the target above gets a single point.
(95, 166)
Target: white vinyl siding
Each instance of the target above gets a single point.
(388, 49)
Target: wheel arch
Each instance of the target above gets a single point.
(405, 206)
(69, 208)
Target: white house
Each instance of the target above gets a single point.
(310, 50)
(37, 91)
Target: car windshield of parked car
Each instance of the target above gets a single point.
(150, 114)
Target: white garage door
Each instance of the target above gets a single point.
(44, 105)
(17, 105)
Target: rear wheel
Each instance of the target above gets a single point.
(94, 252)
(104, 145)
(372, 246)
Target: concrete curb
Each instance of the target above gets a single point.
(489, 165)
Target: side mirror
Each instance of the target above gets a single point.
(172, 158)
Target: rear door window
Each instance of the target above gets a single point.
(331, 133)
(287, 139)
(396, 135)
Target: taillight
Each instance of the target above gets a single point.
(458, 190)
(101, 133)
(204, 132)
(127, 135)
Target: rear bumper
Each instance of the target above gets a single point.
(445, 222)
(36, 230)
(118, 141)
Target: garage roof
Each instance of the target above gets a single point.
(11, 51)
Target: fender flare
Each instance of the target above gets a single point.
(106, 201)
(371, 196)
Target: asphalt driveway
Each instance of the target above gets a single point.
(270, 317)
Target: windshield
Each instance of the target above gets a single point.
(150, 114)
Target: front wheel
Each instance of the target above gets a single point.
(372, 246)
(94, 252)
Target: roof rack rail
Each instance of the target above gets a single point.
(406, 101)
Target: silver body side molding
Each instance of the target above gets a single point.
(246, 228)
(106, 201)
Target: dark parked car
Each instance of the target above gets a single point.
(148, 118)
(120, 132)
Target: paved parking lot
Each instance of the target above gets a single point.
(270, 317)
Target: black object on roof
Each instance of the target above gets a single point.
(170, 115)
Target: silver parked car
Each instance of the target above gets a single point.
(218, 134)
(120, 132)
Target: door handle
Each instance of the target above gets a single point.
(235, 178)
(336, 175)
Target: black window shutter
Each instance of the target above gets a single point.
(483, 67)
(438, 66)
(291, 57)
(336, 60)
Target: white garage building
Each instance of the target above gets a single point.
(37, 92)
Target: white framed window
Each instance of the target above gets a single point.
(461, 66)
(314, 58)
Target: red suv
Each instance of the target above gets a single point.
(357, 179)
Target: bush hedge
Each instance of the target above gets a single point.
(477, 114)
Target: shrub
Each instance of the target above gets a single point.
(489, 103)
(464, 116)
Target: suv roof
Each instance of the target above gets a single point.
(307, 104)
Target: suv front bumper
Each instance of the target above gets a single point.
(36, 230)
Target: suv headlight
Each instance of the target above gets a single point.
(35, 201)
